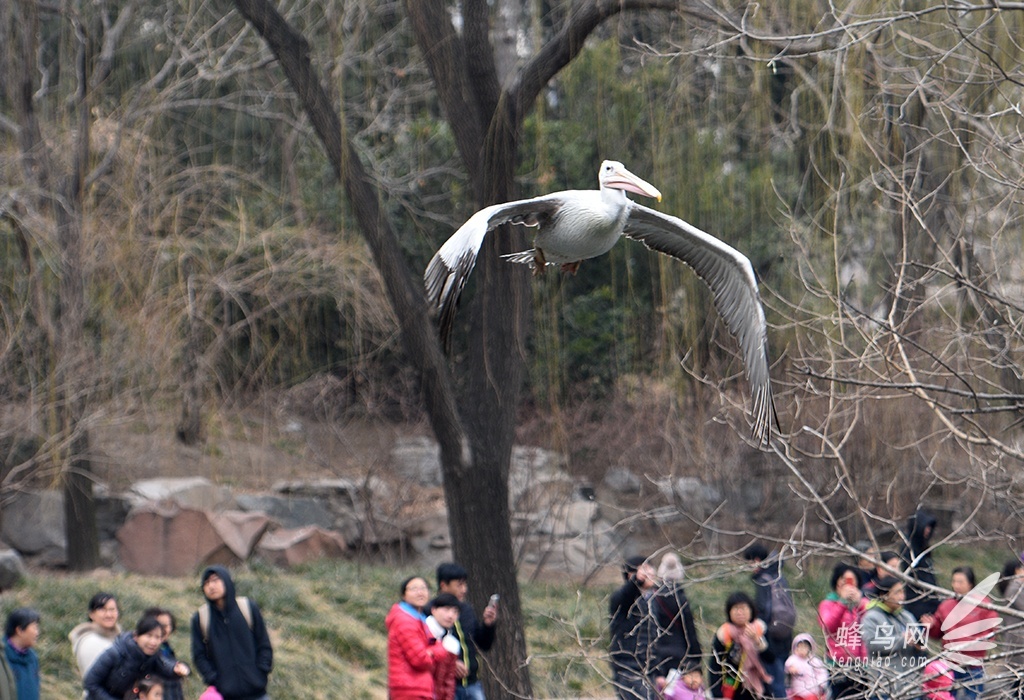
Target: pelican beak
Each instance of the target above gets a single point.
(622, 179)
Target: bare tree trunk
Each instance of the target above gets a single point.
(69, 376)
(190, 425)
(72, 355)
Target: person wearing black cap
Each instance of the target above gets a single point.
(230, 646)
(634, 632)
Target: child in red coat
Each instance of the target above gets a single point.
(444, 611)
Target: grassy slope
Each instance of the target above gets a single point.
(327, 622)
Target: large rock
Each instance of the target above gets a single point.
(167, 540)
(289, 511)
(240, 531)
(354, 506)
(12, 569)
(417, 460)
(188, 492)
(568, 519)
(688, 496)
(622, 480)
(291, 547)
(34, 524)
(576, 556)
(111, 512)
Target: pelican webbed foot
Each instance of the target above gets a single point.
(538, 262)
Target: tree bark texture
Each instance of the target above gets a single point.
(61, 194)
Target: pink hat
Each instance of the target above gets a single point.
(211, 694)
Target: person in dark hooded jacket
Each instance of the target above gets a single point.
(917, 563)
(767, 572)
(230, 646)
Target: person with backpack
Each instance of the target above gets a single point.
(230, 646)
(775, 605)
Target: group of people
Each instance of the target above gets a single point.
(231, 649)
(876, 621)
(433, 641)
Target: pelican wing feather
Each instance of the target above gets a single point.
(451, 265)
(731, 278)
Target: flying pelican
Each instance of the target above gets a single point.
(577, 225)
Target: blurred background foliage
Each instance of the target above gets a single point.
(841, 151)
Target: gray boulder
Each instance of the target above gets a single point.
(34, 525)
(289, 511)
(417, 460)
(12, 569)
(623, 481)
(188, 492)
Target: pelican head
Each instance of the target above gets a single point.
(614, 175)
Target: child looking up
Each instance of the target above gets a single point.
(687, 684)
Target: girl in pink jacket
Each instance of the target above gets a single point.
(806, 673)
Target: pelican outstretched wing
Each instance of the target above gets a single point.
(731, 278)
(449, 269)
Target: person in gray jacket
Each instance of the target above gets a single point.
(895, 643)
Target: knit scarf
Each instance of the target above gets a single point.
(880, 604)
(751, 673)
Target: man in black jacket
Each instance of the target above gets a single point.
(474, 635)
(916, 557)
(767, 574)
(230, 645)
(634, 632)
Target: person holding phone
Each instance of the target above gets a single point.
(474, 634)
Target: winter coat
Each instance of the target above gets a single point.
(89, 641)
(977, 614)
(766, 575)
(411, 654)
(25, 667)
(841, 624)
(677, 642)
(232, 656)
(444, 673)
(727, 661)
(807, 676)
(634, 631)
(917, 562)
(1013, 638)
(172, 686)
(891, 660)
(474, 636)
(115, 672)
(8, 683)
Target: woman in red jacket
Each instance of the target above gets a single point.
(411, 646)
(967, 636)
(840, 614)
